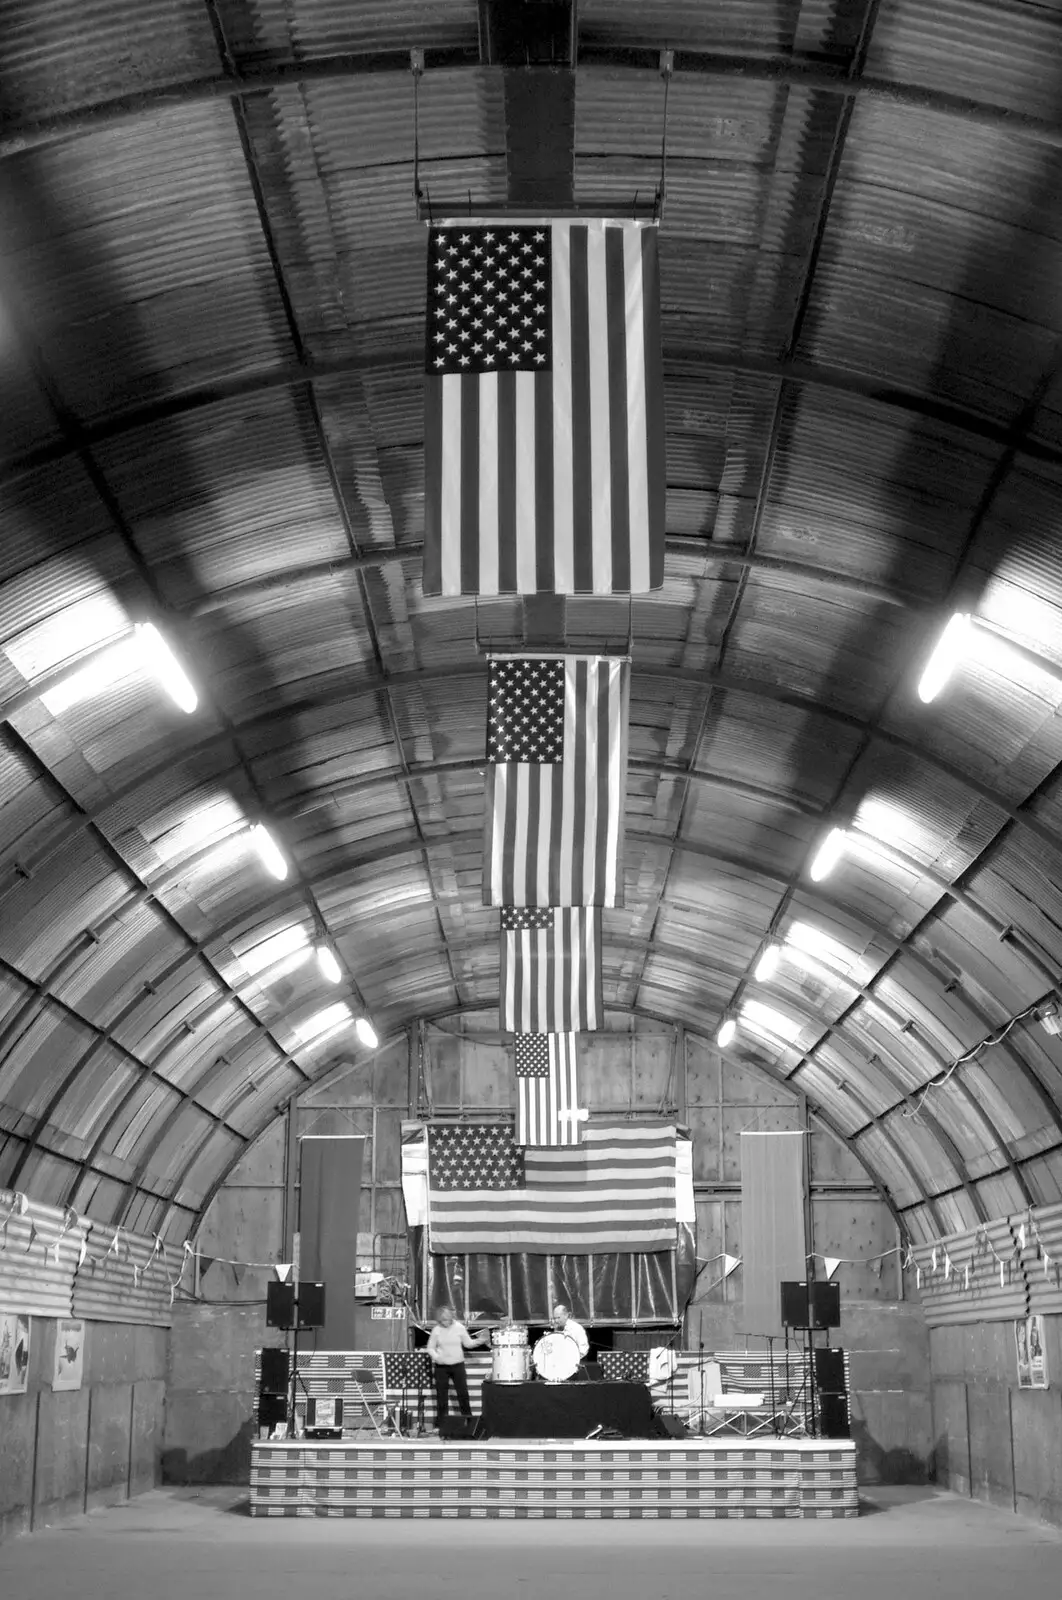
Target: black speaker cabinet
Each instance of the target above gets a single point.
(280, 1305)
(833, 1416)
(794, 1305)
(824, 1304)
(274, 1372)
(272, 1408)
(829, 1371)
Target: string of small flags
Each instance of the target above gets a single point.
(941, 1259)
(120, 1246)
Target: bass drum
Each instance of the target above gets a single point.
(510, 1363)
(556, 1358)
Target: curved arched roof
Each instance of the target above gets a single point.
(211, 342)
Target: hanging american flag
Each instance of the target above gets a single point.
(556, 783)
(551, 969)
(544, 463)
(547, 1089)
(613, 1192)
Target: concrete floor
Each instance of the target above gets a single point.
(174, 1544)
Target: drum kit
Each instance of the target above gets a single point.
(555, 1359)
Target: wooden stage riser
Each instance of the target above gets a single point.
(743, 1513)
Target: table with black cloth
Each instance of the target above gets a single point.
(539, 1410)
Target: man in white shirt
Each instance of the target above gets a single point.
(564, 1322)
(447, 1343)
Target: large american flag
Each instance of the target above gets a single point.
(556, 781)
(551, 969)
(613, 1192)
(547, 1089)
(544, 462)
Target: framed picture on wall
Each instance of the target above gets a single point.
(14, 1352)
(69, 1364)
(1031, 1352)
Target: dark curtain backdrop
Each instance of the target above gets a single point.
(773, 1239)
(609, 1290)
(330, 1179)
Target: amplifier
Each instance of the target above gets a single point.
(833, 1416)
(829, 1371)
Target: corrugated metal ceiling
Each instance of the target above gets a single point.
(210, 340)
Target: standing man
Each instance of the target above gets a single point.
(447, 1343)
(564, 1322)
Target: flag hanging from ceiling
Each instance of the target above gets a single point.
(551, 969)
(547, 1089)
(613, 1192)
(544, 466)
(556, 781)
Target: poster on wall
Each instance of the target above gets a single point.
(1032, 1355)
(14, 1352)
(69, 1354)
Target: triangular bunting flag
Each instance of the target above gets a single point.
(831, 1263)
(283, 1270)
(730, 1263)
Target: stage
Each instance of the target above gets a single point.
(555, 1478)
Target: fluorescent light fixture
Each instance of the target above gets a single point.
(827, 855)
(366, 1033)
(269, 850)
(290, 945)
(804, 941)
(330, 1020)
(163, 665)
(950, 648)
(326, 960)
(107, 667)
(727, 1030)
(765, 1019)
(767, 965)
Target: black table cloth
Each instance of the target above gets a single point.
(539, 1410)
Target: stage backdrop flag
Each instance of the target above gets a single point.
(544, 468)
(330, 1189)
(551, 970)
(547, 1089)
(556, 780)
(774, 1243)
(613, 1192)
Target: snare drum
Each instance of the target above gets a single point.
(556, 1358)
(511, 1363)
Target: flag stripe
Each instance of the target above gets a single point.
(450, 493)
(601, 441)
(653, 400)
(507, 552)
(542, 493)
(470, 573)
(488, 484)
(579, 423)
(619, 402)
(637, 419)
(526, 507)
(561, 400)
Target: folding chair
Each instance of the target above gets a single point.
(369, 1393)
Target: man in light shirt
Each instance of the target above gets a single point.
(564, 1322)
(447, 1343)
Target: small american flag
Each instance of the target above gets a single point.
(544, 445)
(556, 786)
(551, 969)
(547, 1089)
(613, 1192)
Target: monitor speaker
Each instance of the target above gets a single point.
(824, 1304)
(829, 1371)
(280, 1305)
(833, 1416)
(274, 1372)
(794, 1305)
